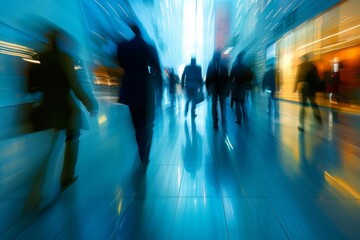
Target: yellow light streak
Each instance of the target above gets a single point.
(337, 182)
(16, 50)
(31, 60)
(15, 54)
(332, 35)
(14, 46)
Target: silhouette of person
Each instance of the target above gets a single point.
(173, 81)
(332, 81)
(269, 83)
(62, 92)
(192, 80)
(217, 85)
(306, 78)
(140, 88)
(241, 76)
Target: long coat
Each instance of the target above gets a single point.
(269, 80)
(217, 80)
(62, 92)
(138, 87)
(191, 78)
(307, 74)
(241, 76)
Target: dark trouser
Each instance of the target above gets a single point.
(222, 100)
(191, 97)
(172, 99)
(304, 96)
(240, 110)
(71, 154)
(334, 99)
(143, 120)
(273, 100)
(232, 101)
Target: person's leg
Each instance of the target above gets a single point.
(302, 99)
(302, 115)
(187, 105)
(193, 103)
(315, 107)
(276, 104)
(173, 100)
(222, 101)
(269, 104)
(71, 154)
(136, 119)
(232, 101)
(188, 100)
(143, 130)
(148, 134)
(244, 110)
(334, 100)
(238, 111)
(214, 109)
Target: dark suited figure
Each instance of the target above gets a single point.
(192, 80)
(62, 93)
(306, 78)
(269, 83)
(139, 88)
(173, 81)
(241, 76)
(332, 81)
(217, 85)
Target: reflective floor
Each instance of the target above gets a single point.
(262, 180)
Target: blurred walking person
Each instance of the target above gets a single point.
(173, 81)
(60, 105)
(217, 84)
(192, 81)
(306, 80)
(241, 76)
(332, 81)
(140, 88)
(269, 84)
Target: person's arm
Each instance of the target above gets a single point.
(155, 65)
(232, 80)
(200, 78)
(183, 78)
(208, 80)
(264, 82)
(227, 81)
(84, 95)
(297, 81)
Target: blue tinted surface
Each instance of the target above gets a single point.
(261, 181)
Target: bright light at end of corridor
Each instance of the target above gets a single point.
(102, 119)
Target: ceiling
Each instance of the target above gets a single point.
(179, 29)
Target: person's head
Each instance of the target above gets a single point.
(193, 61)
(216, 57)
(240, 56)
(135, 29)
(53, 37)
(306, 57)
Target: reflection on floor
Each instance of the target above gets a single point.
(262, 180)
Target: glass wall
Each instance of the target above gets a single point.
(333, 37)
